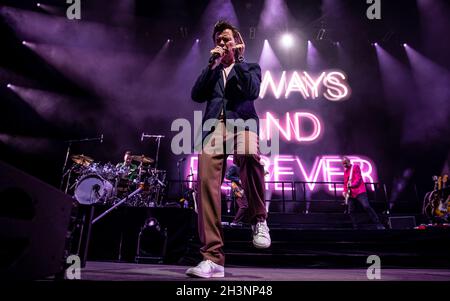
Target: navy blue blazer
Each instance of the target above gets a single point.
(236, 99)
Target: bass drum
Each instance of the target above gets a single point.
(93, 189)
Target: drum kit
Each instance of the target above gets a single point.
(107, 184)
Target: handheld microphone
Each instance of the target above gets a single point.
(214, 56)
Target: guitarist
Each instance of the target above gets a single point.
(238, 192)
(355, 190)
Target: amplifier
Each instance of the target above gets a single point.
(402, 222)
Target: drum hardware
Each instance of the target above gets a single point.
(116, 205)
(109, 184)
(91, 189)
(82, 159)
(142, 159)
(69, 174)
(69, 146)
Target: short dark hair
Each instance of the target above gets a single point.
(221, 25)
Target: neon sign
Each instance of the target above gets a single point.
(293, 128)
(289, 168)
(330, 84)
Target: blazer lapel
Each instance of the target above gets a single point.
(220, 74)
(231, 74)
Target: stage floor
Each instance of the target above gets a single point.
(114, 271)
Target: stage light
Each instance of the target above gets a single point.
(287, 40)
(169, 40)
(9, 86)
(152, 222)
(152, 242)
(24, 43)
(321, 34)
(38, 4)
(405, 45)
(197, 40)
(265, 40)
(375, 44)
(337, 44)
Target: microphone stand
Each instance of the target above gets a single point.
(117, 204)
(65, 164)
(158, 139)
(179, 162)
(157, 153)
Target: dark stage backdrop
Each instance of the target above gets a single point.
(127, 69)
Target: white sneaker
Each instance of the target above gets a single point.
(207, 269)
(261, 236)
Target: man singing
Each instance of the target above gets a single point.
(229, 86)
(354, 185)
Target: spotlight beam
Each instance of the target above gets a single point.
(287, 40)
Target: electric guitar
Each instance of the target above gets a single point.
(347, 194)
(349, 191)
(238, 192)
(441, 204)
(429, 200)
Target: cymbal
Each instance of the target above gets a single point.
(143, 159)
(82, 159)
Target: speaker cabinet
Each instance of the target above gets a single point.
(34, 222)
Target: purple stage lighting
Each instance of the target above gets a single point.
(274, 16)
(433, 84)
(313, 58)
(394, 77)
(9, 86)
(217, 10)
(26, 144)
(287, 40)
(197, 40)
(268, 59)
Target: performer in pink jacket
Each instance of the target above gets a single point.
(355, 191)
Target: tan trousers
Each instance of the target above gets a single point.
(211, 171)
